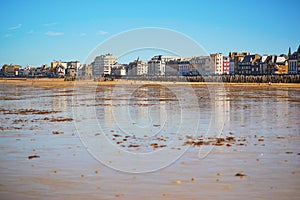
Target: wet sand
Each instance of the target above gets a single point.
(257, 155)
(60, 82)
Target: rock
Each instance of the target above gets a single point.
(57, 132)
(240, 174)
(33, 156)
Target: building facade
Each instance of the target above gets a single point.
(237, 57)
(203, 64)
(217, 60)
(157, 64)
(281, 66)
(103, 64)
(249, 65)
(85, 71)
(294, 62)
(10, 70)
(137, 68)
(231, 66)
(184, 68)
(226, 65)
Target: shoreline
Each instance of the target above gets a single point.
(56, 81)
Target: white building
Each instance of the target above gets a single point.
(119, 70)
(157, 65)
(184, 67)
(217, 60)
(142, 68)
(137, 68)
(103, 64)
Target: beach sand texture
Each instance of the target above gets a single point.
(257, 155)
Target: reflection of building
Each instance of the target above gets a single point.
(61, 102)
(103, 64)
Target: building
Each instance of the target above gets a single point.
(157, 64)
(172, 68)
(61, 69)
(298, 59)
(58, 68)
(263, 65)
(54, 64)
(142, 68)
(249, 65)
(137, 68)
(203, 64)
(184, 68)
(42, 71)
(237, 57)
(85, 71)
(273, 64)
(103, 64)
(72, 68)
(28, 71)
(231, 66)
(119, 70)
(217, 61)
(226, 65)
(294, 62)
(281, 65)
(11, 70)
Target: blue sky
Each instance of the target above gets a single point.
(37, 32)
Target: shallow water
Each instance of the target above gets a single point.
(133, 142)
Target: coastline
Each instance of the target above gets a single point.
(56, 81)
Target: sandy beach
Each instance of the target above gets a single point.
(52, 81)
(72, 140)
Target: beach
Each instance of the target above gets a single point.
(56, 81)
(72, 140)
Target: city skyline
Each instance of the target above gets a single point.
(35, 33)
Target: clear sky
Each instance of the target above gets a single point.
(37, 32)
